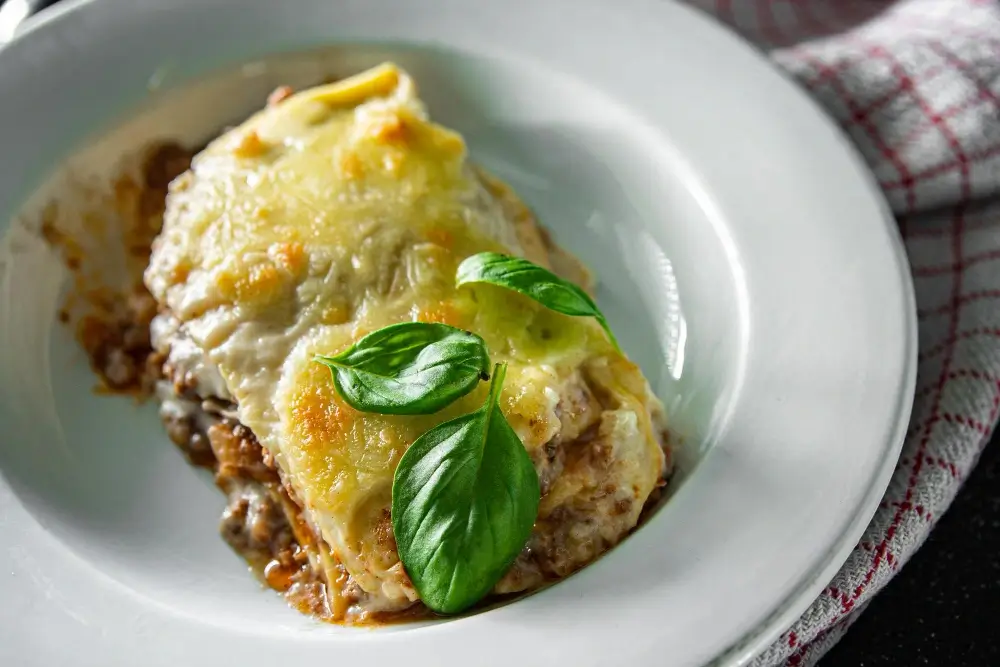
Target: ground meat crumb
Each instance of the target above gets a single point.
(254, 524)
(238, 453)
(164, 163)
(118, 345)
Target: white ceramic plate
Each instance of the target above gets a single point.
(746, 261)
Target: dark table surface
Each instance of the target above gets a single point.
(942, 607)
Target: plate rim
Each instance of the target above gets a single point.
(797, 603)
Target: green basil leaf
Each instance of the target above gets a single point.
(464, 499)
(412, 368)
(532, 280)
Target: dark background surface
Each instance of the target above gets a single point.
(943, 608)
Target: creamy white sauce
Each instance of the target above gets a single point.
(168, 336)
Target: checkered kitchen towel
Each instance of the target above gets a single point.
(916, 85)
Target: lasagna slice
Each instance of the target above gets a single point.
(330, 214)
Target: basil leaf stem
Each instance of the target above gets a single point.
(533, 281)
(410, 368)
(464, 500)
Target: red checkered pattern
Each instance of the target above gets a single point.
(916, 85)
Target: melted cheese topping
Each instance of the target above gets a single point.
(327, 216)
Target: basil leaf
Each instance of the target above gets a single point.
(412, 368)
(532, 280)
(464, 500)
